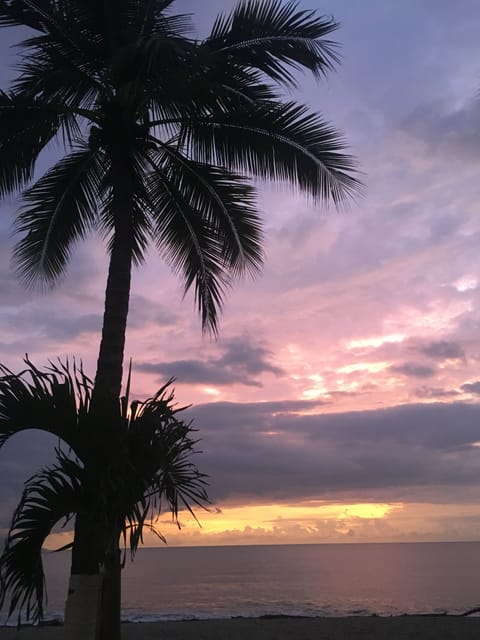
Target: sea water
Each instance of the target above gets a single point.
(298, 580)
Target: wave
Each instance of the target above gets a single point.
(55, 618)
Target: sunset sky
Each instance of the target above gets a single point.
(341, 400)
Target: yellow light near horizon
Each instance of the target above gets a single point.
(270, 516)
(316, 522)
(370, 511)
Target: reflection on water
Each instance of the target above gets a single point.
(292, 579)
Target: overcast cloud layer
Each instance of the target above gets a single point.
(349, 370)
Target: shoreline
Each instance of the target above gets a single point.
(57, 621)
(373, 627)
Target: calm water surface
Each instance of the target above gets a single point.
(179, 583)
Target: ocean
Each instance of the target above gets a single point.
(298, 580)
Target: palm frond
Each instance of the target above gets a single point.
(63, 61)
(224, 199)
(60, 209)
(196, 83)
(149, 18)
(18, 14)
(26, 126)
(62, 21)
(56, 400)
(278, 141)
(138, 211)
(190, 245)
(54, 72)
(49, 496)
(160, 470)
(273, 36)
(177, 478)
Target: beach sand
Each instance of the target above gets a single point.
(351, 628)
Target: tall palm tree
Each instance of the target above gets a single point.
(155, 470)
(162, 135)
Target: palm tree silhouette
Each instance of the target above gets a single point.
(153, 469)
(162, 135)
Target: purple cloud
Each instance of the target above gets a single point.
(414, 370)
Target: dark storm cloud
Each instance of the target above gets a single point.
(443, 350)
(242, 362)
(471, 387)
(253, 452)
(414, 370)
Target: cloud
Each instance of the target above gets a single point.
(47, 325)
(413, 369)
(281, 451)
(64, 327)
(448, 131)
(144, 311)
(443, 350)
(242, 362)
(396, 453)
(471, 387)
(432, 393)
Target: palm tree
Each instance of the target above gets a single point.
(155, 469)
(162, 135)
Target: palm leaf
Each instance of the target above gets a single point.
(277, 141)
(26, 126)
(49, 496)
(18, 14)
(272, 36)
(59, 20)
(136, 212)
(56, 400)
(54, 71)
(191, 245)
(60, 209)
(160, 469)
(224, 199)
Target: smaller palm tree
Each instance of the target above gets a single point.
(152, 470)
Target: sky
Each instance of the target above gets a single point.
(340, 402)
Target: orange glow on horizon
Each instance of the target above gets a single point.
(312, 522)
(270, 516)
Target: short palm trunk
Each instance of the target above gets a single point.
(82, 606)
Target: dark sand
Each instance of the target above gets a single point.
(351, 628)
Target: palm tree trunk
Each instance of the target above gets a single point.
(105, 426)
(108, 379)
(110, 597)
(106, 398)
(85, 586)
